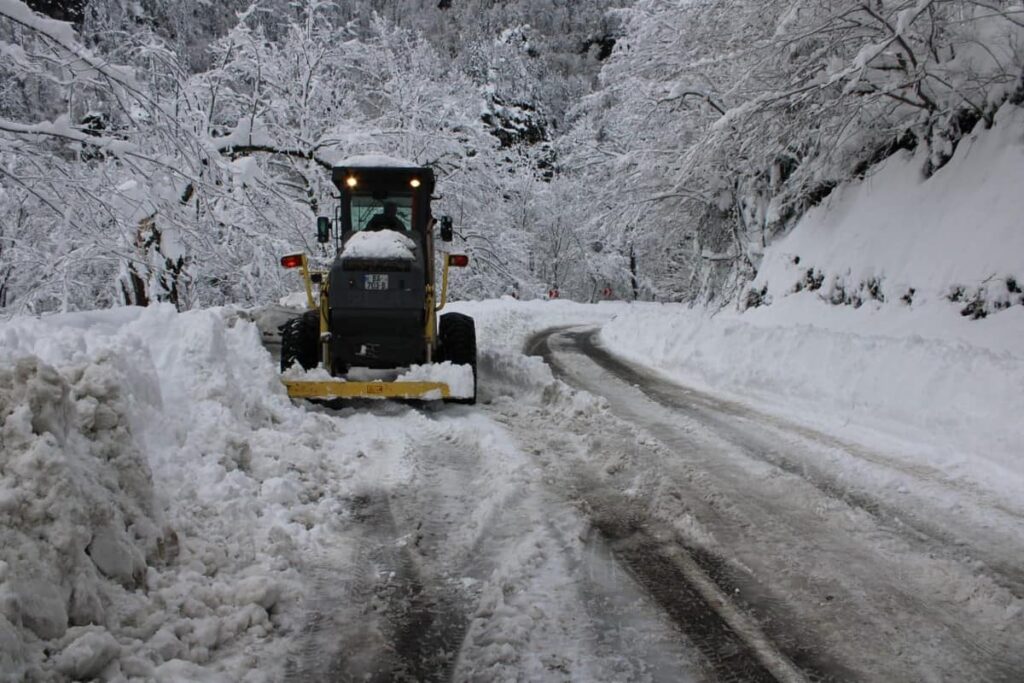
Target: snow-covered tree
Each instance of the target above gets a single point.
(719, 123)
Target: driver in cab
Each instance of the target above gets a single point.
(388, 220)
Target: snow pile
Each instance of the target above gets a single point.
(379, 244)
(296, 300)
(504, 326)
(77, 522)
(158, 491)
(860, 335)
(459, 378)
(898, 238)
(317, 374)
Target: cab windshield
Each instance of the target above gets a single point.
(391, 213)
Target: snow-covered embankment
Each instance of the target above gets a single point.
(895, 309)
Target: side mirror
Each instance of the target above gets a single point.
(323, 230)
(447, 232)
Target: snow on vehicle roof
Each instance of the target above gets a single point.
(377, 160)
(379, 244)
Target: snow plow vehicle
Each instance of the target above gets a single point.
(372, 330)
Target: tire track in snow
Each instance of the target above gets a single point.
(479, 532)
(424, 623)
(378, 619)
(732, 644)
(1006, 572)
(908, 611)
(688, 585)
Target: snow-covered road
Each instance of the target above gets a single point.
(850, 561)
(628, 528)
(461, 556)
(170, 515)
(469, 566)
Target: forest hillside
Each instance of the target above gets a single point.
(171, 151)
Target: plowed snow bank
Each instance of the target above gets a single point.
(144, 498)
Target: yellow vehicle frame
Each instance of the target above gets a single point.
(341, 388)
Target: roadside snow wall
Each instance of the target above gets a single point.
(866, 317)
(148, 467)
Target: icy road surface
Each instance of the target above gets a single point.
(619, 527)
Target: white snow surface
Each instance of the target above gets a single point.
(915, 377)
(960, 228)
(380, 244)
(168, 514)
(376, 161)
(317, 374)
(139, 532)
(941, 386)
(459, 378)
(163, 504)
(294, 300)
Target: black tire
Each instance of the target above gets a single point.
(299, 339)
(457, 336)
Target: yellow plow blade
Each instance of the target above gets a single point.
(425, 391)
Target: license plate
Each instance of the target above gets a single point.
(375, 281)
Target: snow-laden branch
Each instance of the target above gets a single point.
(62, 35)
(683, 94)
(242, 150)
(61, 128)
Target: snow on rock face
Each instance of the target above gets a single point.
(916, 238)
(380, 244)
